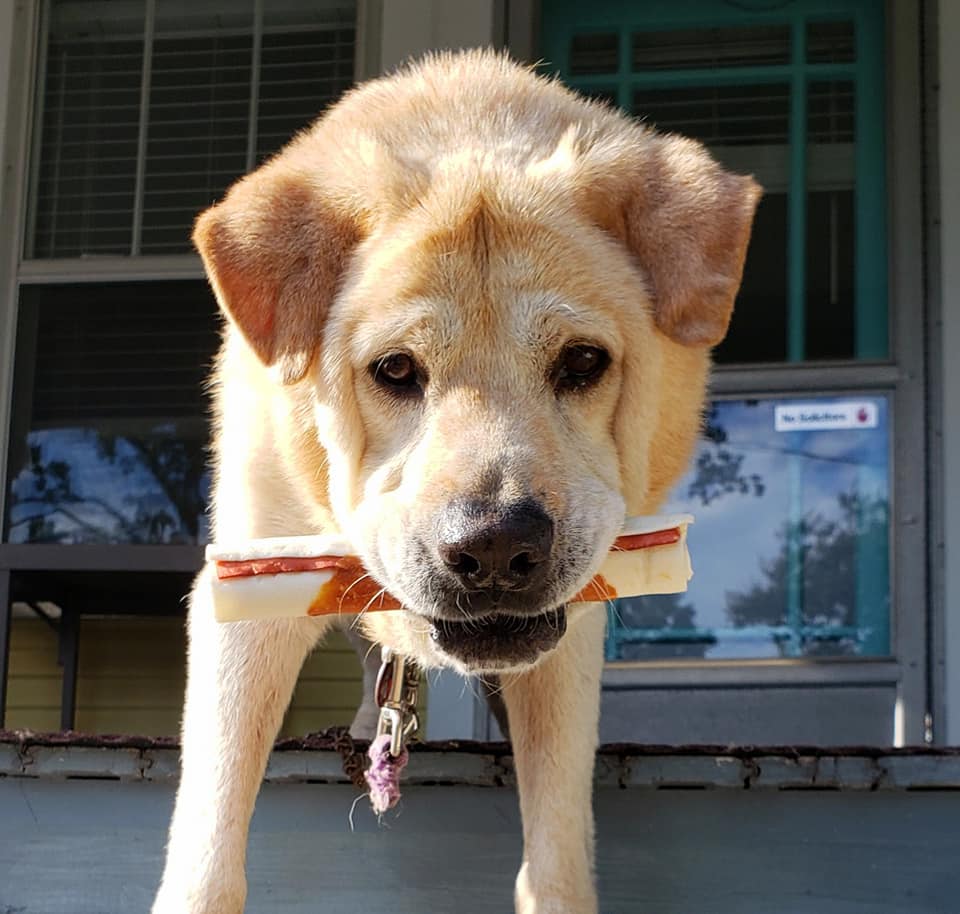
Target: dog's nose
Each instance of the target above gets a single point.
(507, 549)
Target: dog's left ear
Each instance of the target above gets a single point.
(275, 250)
(685, 219)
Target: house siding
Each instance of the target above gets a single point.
(131, 679)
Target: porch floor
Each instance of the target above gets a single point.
(679, 832)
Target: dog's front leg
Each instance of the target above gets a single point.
(554, 714)
(240, 679)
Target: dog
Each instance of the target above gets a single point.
(468, 323)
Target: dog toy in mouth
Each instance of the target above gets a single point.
(318, 575)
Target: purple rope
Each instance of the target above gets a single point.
(383, 775)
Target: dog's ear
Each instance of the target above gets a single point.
(275, 250)
(685, 219)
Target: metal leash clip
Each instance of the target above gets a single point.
(398, 683)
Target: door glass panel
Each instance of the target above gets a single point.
(794, 99)
(747, 128)
(699, 48)
(831, 295)
(790, 547)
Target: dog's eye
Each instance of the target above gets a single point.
(580, 365)
(397, 371)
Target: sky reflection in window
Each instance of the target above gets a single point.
(790, 547)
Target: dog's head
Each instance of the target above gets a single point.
(496, 319)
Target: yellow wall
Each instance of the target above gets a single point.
(132, 674)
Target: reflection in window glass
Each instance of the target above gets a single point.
(109, 432)
(90, 485)
(791, 542)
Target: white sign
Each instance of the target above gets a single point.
(805, 417)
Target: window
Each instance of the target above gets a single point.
(149, 110)
(792, 93)
(111, 446)
(791, 540)
(145, 112)
(140, 113)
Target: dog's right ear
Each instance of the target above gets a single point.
(275, 251)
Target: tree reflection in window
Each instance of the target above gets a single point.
(82, 485)
(790, 546)
(830, 548)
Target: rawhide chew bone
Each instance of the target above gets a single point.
(318, 575)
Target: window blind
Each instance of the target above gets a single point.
(148, 111)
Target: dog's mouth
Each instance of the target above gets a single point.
(500, 641)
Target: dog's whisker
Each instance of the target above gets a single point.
(377, 596)
(353, 583)
(494, 690)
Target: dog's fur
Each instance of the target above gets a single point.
(482, 220)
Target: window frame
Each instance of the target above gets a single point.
(901, 376)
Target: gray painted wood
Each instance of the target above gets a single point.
(59, 757)
(95, 847)
(948, 15)
(828, 715)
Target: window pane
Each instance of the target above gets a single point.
(109, 430)
(89, 122)
(791, 542)
(738, 46)
(829, 317)
(306, 63)
(830, 42)
(199, 116)
(212, 110)
(830, 286)
(720, 116)
(747, 128)
(590, 54)
(758, 331)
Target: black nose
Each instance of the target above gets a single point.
(507, 549)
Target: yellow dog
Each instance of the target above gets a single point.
(469, 316)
